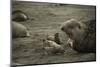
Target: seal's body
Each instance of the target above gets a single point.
(19, 30)
(19, 16)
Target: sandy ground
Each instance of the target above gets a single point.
(46, 19)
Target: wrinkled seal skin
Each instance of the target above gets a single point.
(83, 34)
(19, 16)
(19, 30)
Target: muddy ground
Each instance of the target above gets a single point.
(46, 19)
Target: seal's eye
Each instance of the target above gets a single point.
(62, 28)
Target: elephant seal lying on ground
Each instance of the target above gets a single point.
(19, 16)
(19, 30)
(82, 34)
